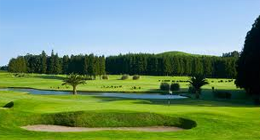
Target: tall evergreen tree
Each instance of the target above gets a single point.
(51, 62)
(248, 76)
(57, 67)
(65, 64)
(43, 62)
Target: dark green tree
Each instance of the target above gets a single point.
(248, 69)
(57, 67)
(43, 62)
(17, 65)
(197, 82)
(51, 61)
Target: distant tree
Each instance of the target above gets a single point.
(231, 54)
(65, 64)
(207, 67)
(197, 82)
(4, 68)
(43, 62)
(57, 67)
(175, 86)
(17, 65)
(248, 69)
(51, 62)
(176, 66)
(74, 80)
(166, 66)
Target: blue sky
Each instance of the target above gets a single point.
(120, 26)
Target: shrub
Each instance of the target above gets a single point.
(175, 87)
(136, 77)
(191, 90)
(165, 86)
(104, 77)
(9, 105)
(124, 77)
(222, 94)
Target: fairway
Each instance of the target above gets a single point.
(113, 84)
(207, 118)
(215, 120)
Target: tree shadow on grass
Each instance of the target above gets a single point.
(183, 102)
(49, 77)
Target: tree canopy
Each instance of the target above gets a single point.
(248, 69)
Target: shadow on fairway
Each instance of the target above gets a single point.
(188, 102)
(49, 77)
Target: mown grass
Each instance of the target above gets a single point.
(215, 119)
(113, 84)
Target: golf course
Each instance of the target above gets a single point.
(129, 70)
(205, 118)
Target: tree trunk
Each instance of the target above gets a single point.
(74, 90)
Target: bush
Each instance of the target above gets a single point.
(136, 77)
(9, 105)
(222, 94)
(175, 87)
(124, 77)
(104, 77)
(191, 90)
(165, 86)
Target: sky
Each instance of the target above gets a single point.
(111, 27)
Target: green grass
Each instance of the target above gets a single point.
(146, 83)
(215, 119)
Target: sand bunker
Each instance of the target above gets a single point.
(58, 128)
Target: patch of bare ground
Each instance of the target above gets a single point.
(58, 128)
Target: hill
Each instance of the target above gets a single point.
(179, 53)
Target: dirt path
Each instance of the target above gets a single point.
(57, 128)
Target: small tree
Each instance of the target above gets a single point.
(175, 86)
(74, 80)
(197, 82)
(165, 86)
(136, 77)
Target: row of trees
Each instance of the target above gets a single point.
(145, 64)
(81, 64)
(151, 64)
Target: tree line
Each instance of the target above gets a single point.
(143, 64)
(79, 64)
(152, 64)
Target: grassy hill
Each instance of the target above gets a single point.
(178, 53)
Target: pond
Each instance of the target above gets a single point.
(114, 95)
